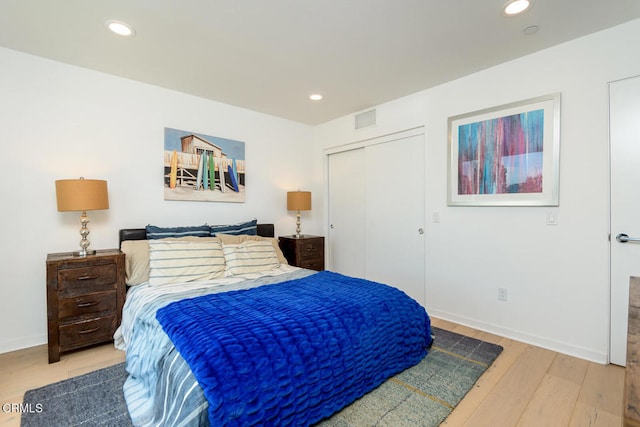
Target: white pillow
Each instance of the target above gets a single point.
(250, 257)
(179, 261)
(233, 239)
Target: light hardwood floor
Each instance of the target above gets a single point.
(526, 385)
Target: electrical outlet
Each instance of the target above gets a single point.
(502, 294)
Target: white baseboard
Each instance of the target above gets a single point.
(22, 343)
(549, 344)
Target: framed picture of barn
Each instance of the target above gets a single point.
(204, 168)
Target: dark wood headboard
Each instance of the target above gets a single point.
(264, 230)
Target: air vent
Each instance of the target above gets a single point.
(366, 119)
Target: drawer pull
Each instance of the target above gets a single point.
(87, 304)
(87, 277)
(89, 331)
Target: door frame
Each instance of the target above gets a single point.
(612, 240)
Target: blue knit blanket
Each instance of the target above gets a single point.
(295, 352)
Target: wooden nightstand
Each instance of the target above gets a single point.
(306, 251)
(85, 296)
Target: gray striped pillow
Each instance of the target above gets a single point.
(250, 257)
(248, 227)
(174, 261)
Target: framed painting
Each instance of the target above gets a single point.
(507, 155)
(204, 168)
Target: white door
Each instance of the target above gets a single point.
(625, 206)
(395, 215)
(346, 213)
(376, 212)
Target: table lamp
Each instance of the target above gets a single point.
(82, 195)
(298, 201)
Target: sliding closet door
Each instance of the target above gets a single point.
(395, 246)
(376, 213)
(346, 213)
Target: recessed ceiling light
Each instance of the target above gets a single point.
(315, 97)
(120, 28)
(515, 7)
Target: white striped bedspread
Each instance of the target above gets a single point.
(160, 388)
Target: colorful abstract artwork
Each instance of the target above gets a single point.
(507, 155)
(502, 155)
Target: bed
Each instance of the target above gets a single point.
(242, 338)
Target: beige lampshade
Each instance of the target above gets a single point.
(81, 195)
(299, 200)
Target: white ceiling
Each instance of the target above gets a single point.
(270, 55)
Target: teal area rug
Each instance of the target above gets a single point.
(425, 394)
(420, 396)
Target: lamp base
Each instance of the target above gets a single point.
(84, 232)
(298, 229)
(84, 253)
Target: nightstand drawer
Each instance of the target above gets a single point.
(312, 264)
(75, 281)
(89, 303)
(311, 249)
(79, 334)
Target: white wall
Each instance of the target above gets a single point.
(557, 276)
(58, 121)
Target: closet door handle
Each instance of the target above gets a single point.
(420, 230)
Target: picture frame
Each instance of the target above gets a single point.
(506, 156)
(200, 167)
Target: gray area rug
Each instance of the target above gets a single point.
(420, 396)
(93, 399)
